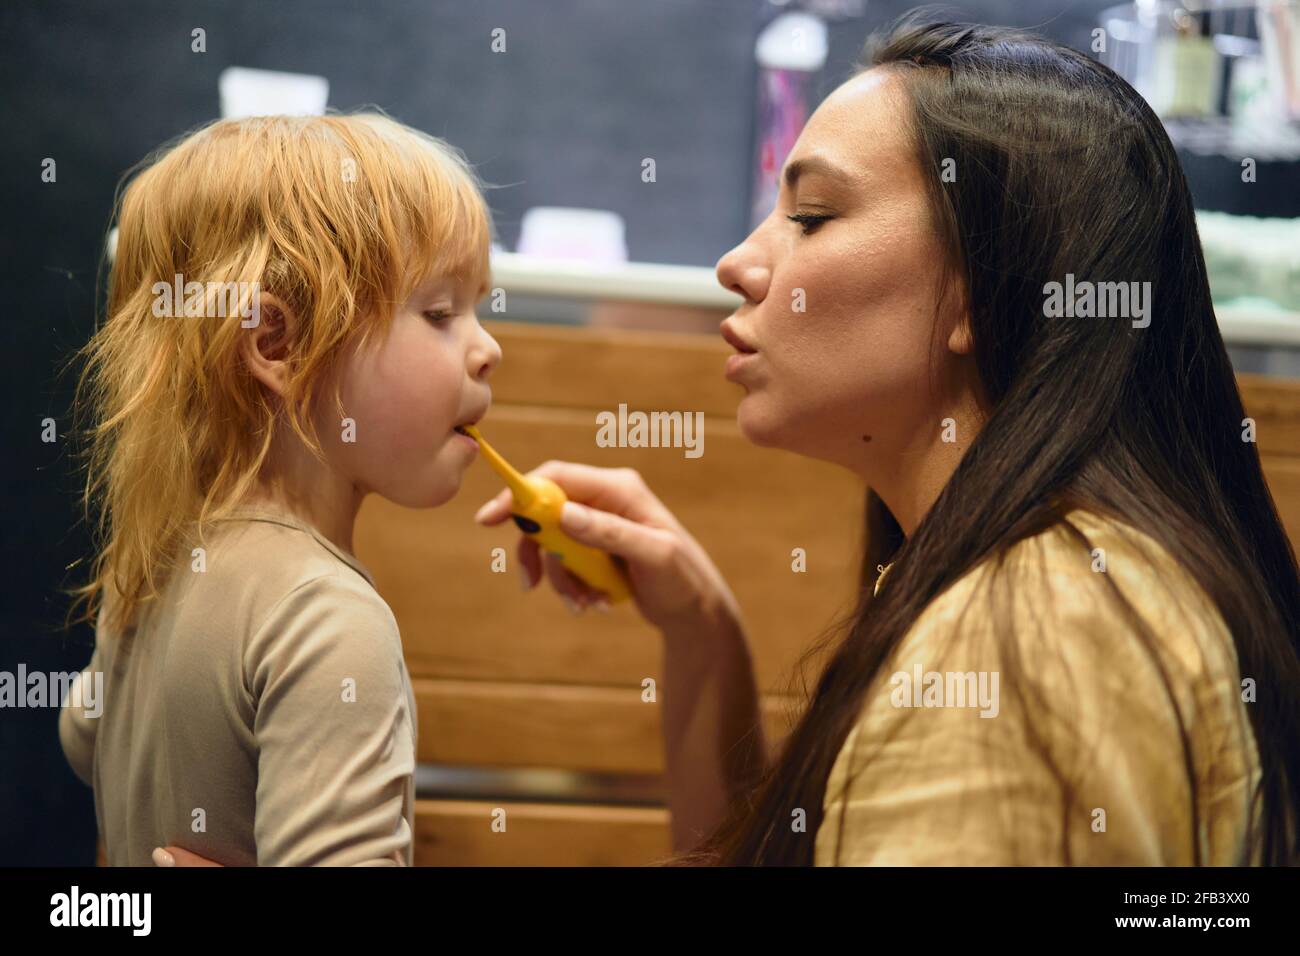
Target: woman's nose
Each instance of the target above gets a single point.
(741, 272)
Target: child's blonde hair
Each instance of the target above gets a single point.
(340, 216)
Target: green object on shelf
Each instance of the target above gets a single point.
(1251, 260)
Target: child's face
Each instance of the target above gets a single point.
(405, 394)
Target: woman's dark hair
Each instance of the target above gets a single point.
(1061, 168)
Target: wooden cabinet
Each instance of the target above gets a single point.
(505, 679)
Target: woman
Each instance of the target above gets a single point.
(1078, 486)
(1067, 502)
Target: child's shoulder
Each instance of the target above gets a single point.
(234, 544)
(270, 567)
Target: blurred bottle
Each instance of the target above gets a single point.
(791, 52)
(1187, 68)
(1279, 32)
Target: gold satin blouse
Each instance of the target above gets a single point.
(953, 767)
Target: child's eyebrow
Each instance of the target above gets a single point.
(434, 285)
(465, 288)
(457, 287)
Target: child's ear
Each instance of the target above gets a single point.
(265, 346)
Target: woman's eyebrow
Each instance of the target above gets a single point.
(813, 164)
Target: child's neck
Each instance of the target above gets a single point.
(296, 481)
(334, 520)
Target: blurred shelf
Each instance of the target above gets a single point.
(697, 286)
(1243, 325)
(623, 281)
(1218, 136)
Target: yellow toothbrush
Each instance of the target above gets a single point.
(536, 510)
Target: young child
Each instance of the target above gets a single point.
(290, 327)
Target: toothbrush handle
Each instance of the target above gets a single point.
(540, 520)
(594, 567)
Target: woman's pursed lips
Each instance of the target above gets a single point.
(734, 338)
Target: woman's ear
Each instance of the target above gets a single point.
(961, 340)
(265, 346)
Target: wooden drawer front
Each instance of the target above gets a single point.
(599, 729)
(506, 679)
(460, 833)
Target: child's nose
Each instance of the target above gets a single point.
(485, 357)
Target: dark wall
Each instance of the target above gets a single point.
(564, 117)
(585, 90)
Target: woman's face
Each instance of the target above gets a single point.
(850, 361)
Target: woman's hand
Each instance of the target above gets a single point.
(175, 856)
(674, 582)
(714, 746)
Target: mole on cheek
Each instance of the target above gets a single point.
(866, 438)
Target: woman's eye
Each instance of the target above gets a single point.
(809, 221)
(437, 315)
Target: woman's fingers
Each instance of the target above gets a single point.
(609, 508)
(674, 582)
(573, 592)
(635, 543)
(496, 510)
(175, 856)
(530, 562)
(617, 490)
(613, 510)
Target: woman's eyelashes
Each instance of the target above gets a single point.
(437, 316)
(809, 221)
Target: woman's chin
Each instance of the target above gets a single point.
(781, 431)
(758, 425)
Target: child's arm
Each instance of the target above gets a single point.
(334, 729)
(175, 856)
(78, 724)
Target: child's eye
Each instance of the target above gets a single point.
(809, 221)
(437, 315)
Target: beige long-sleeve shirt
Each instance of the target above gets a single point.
(261, 714)
(942, 785)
